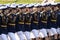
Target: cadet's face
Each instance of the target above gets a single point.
(20, 10)
(17, 9)
(7, 11)
(59, 7)
(31, 9)
(42, 8)
(27, 10)
(24, 10)
(56, 8)
(0, 11)
(35, 10)
(14, 11)
(38, 9)
(48, 8)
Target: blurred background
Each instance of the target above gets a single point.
(22, 1)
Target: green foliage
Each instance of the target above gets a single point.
(22, 1)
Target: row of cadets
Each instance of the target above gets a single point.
(26, 19)
(53, 22)
(52, 25)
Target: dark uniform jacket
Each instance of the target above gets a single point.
(4, 24)
(53, 20)
(58, 18)
(11, 23)
(0, 24)
(28, 21)
(20, 22)
(44, 20)
(36, 19)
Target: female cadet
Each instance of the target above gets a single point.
(35, 28)
(57, 10)
(4, 24)
(1, 14)
(12, 22)
(2, 29)
(58, 19)
(28, 21)
(48, 11)
(43, 24)
(20, 27)
(53, 21)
